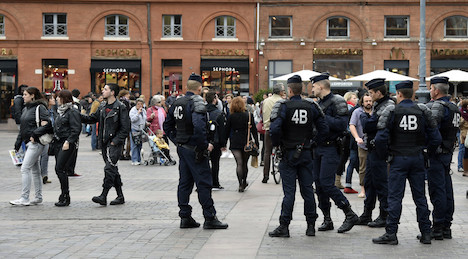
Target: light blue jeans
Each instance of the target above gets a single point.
(135, 149)
(31, 169)
(45, 161)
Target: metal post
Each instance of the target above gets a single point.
(150, 47)
(422, 93)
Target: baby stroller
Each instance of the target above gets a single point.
(156, 156)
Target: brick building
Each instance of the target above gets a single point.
(238, 46)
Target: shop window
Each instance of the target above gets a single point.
(54, 75)
(172, 76)
(338, 27)
(397, 26)
(456, 26)
(117, 26)
(280, 26)
(8, 78)
(278, 68)
(55, 24)
(172, 26)
(126, 80)
(225, 27)
(339, 68)
(2, 25)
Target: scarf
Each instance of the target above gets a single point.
(464, 113)
(63, 108)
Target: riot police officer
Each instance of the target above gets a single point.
(186, 126)
(447, 117)
(375, 179)
(403, 131)
(326, 155)
(291, 130)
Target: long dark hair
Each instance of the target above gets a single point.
(34, 91)
(65, 96)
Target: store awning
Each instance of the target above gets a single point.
(226, 65)
(8, 66)
(115, 66)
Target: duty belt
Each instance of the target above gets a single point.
(329, 143)
(187, 146)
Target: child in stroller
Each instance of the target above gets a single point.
(163, 146)
(158, 155)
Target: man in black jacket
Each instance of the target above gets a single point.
(114, 127)
(18, 105)
(216, 123)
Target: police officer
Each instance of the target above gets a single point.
(447, 117)
(291, 130)
(326, 155)
(375, 179)
(186, 126)
(403, 131)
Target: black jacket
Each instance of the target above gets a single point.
(220, 119)
(236, 129)
(18, 105)
(113, 127)
(68, 126)
(28, 126)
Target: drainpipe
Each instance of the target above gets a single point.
(257, 86)
(150, 48)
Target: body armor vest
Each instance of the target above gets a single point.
(408, 135)
(449, 127)
(297, 128)
(183, 119)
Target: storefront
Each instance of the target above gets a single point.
(126, 73)
(8, 83)
(396, 66)
(443, 60)
(172, 76)
(226, 76)
(54, 75)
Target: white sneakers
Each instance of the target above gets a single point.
(21, 202)
(36, 201)
(136, 163)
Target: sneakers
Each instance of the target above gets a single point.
(45, 180)
(136, 163)
(460, 170)
(218, 187)
(36, 201)
(349, 190)
(74, 175)
(20, 202)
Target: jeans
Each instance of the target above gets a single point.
(111, 155)
(31, 169)
(93, 137)
(45, 161)
(135, 149)
(61, 159)
(353, 164)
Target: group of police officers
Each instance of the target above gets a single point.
(406, 140)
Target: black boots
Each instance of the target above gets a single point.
(447, 233)
(380, 221)
(310, 229)
(120, 198)
(437, 232)
(386, 239)
(101, 199)
(214, 223)
(188, 222)
(425, 238)
(64, 200)
(365, 218)
(281, 231)
(327, 222)
(350, 220)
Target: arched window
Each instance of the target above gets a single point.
(337, 27)
(225, 27)
(117, 25)
(2, 25)
(456, 26)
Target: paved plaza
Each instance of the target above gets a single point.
(147, 225)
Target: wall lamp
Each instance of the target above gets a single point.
(302, 42)
(374, 43)
(262, 43)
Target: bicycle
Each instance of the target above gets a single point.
(275, 161)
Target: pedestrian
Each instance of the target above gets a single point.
(240, 126)
(355, 127)
(29, 133)
(278, 91)
(71, 164)
(18, 105)
(156, 114)
(114, 127)
(375, 179)
(411, 128)
(67, 129)
(186, 126)
(124, 97)
(326, 157)
(462, 155)
(94, 107)
(439, 179)
(44, 160)
(292, 124)
(216, 121)
(138, 122)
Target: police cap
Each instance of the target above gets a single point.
(376, 82)
(404, 85)
(196, 77)
(294, 79)
(439, 80)
(318, 78)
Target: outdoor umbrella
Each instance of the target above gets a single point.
(389, 76)
(454, 76)
(304, 74)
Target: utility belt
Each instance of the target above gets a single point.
(443, 150)
(424, 152)
(189, 147)
(329, 143)
(200, 154)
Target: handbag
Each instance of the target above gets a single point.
(260, 127)
(47, 137)
(250, 147)
(137, 137)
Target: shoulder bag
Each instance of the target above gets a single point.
(250, 146)
(47, 137)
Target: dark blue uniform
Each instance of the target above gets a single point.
(440, 185)
(186, 126)
(292, 126)
(404, 131)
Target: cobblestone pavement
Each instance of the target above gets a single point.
(146, 226)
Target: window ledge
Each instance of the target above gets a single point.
(225, 39)
(2, 37)
(450, 39)
(110, 38)
(54, 38)
(338, 39)
(172, 38)
(397, 39)
(281, 39)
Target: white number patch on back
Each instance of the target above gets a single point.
(179, 112)
(409, 122)
(456, 120)
(299, 116)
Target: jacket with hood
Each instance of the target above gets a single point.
(28, 126)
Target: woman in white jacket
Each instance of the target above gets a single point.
(138, 121)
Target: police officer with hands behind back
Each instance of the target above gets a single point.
(404, 131)
(291, 129)
(186, 126)
(326, 155)
(447, 116)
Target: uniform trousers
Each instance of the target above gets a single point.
(376, 182)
